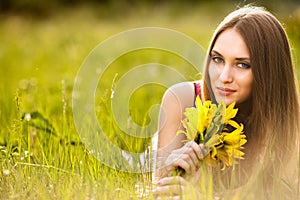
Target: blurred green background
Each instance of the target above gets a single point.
(43, 43)
(42, 46)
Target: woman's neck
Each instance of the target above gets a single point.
(244, 111)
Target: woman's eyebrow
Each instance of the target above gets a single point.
(216, 52)
(239, 58)
(242, 59)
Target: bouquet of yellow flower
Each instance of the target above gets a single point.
(213, 125)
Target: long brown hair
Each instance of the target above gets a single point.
(274, 117)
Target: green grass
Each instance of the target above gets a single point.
(39, 60)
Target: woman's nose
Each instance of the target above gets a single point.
(226, 74)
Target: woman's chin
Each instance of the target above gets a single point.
(226, 100)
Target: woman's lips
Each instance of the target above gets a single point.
(225, 91)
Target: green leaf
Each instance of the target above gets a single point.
(37, 120)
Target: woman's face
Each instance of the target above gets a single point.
(230, 68)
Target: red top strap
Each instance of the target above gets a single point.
(197, 90)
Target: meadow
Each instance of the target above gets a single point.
(42, 155)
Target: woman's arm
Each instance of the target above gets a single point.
(172, 151)
(175, 100)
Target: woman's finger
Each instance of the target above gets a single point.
(169, 198)
(172, 180)
(180, 163)
(171, 186)
(186, 162)
(198, 149)
(169, 190)
(185, 158)
(191, 154)
(204, 150)
(188, 157)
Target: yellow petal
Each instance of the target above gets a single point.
(234, 136)
(230, 112)
(233, 123)
(225, 158)
(209, 161)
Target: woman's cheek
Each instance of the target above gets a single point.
(213, 73)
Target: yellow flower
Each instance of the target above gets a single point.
(228, 148)
(208, 123)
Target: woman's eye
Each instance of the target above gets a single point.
(243, 65)
(217, 59)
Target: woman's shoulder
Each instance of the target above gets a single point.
(183, 93)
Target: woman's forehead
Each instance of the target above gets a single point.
(231, 43)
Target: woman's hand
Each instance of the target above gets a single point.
(175, 187)
(187, 158)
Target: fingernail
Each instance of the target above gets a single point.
(159, 183)
(155, 190)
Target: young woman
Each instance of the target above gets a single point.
(249, 62)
